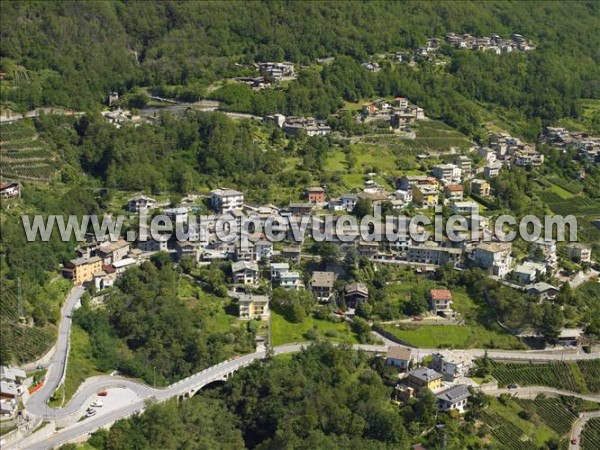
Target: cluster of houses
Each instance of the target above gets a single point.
(505, 151)
(588, 147)
(444, 377)
(12, 387)
(399, 112)
(294, 126)
(120, 117)
(493, 43)
(102, 262)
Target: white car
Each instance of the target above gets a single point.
(98, 403)
(90, 413)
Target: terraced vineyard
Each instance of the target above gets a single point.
(507, 434)
(21, 340)
(590, 437)
(591, 374)
(552, 411)
(23, 156)
(582, 376)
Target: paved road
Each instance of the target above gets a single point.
(578, 427)
(534, 391)
(37, 405)
(58, 362)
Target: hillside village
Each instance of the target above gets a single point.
(312, 252)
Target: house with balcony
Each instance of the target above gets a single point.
(322, 284)
(291, 280)
(356, 293)
(453, 399)
(481, 187)
(494, 256)
(140, 204)
(579, 252)
(454, 192)
(245, 272)
(81, 270)
(277, 269)
(224, 199)
(448, 173)
(253, 307)
(451, 364)
(440, 302)
(316, 195)
(424, 378)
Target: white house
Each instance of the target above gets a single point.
(226, 199)
(123, 264)
(453, 399)
(452, 365)
(277, 269)
(492, 169)
(140, 204)
(528, 271)
(548, 249)
(464, 207)
(399, 357)
(263, 249)
(447, 172)
(245, 272)
(579, 252)
(290, 280)
(494, 256)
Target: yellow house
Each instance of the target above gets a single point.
(424, 377)
(425, 196)
(254, 307)
(481, 187)
(81, 270)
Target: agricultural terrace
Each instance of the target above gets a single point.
(580, 376)
(23, 156)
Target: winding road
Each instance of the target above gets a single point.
(578, 428)
(37, 404)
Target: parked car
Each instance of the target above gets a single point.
(90, 412)
(102, 393)
(574, 441)
(513, 386)
(98, 403)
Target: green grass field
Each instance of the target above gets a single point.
(284, 332)
(453, 336)
(437, 136)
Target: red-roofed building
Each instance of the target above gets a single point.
(454, 192)
(441, 301)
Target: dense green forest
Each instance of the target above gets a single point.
(72, 54)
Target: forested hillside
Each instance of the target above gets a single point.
(72, 53)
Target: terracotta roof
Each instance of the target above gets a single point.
(440, 294)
